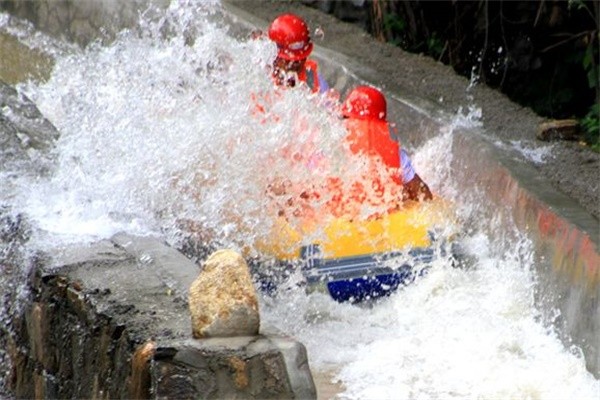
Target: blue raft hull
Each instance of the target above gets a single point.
(353, 279)
(365, 277)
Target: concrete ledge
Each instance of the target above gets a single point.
(104, 323)
(242, 367)
(566, 255)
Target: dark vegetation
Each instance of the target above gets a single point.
(542, 54)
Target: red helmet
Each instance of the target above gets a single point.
(290, 32)
(365, 102)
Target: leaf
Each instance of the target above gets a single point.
(588, 57)
(592, 76)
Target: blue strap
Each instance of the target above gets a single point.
(310, 79)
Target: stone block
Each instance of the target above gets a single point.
(250, 367)
(223, 299)
(94, 329)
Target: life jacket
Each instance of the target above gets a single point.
(299, 199)
(310, 76)
(381, 183)
(373, 139)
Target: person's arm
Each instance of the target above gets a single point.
(323, 85)
(414, 188)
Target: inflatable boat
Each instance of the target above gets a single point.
(356, 260)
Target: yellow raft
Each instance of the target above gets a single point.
(361, 259)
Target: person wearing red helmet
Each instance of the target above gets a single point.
(294, 45)
(369, 133)
(292, 68)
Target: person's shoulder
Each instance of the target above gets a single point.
(311, 64)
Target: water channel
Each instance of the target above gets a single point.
(158, 138)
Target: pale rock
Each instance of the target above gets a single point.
(223, 299)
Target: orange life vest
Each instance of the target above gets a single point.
(381, 184)
(373, 139)
(261, 104)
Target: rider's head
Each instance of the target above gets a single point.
(292, 37)
(365, 102)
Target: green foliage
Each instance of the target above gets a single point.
(577, 4)
(591, 122)
(396, 28)
(394, 24)
(435, 46)
(590, 66)
(591, 127)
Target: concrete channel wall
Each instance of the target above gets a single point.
(81, 21)
(99, 309)
(565, 236)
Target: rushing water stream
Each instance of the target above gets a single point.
(159, 137)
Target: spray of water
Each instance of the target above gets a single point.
(165, 135)
(160, 135)
(457, 333)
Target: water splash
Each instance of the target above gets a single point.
(156, 131)
(458, 333)
(537, 154)
(159, 135)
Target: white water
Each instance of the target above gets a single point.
(155, 132)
